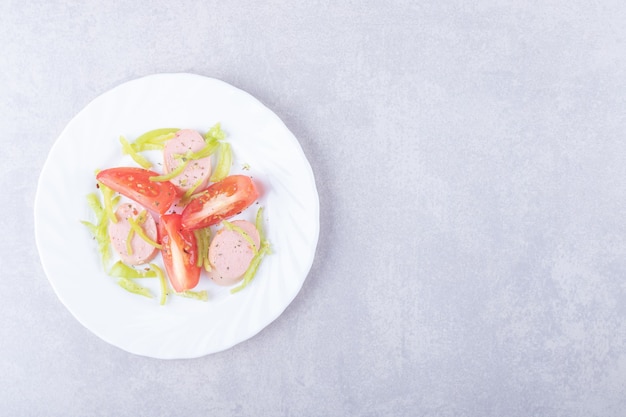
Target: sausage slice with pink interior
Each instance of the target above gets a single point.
(141, 251)
(230, 253)
(196, 170)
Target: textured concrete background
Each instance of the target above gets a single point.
(470, 161)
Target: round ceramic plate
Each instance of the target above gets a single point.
(263, 148)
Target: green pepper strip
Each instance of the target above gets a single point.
(142, 147)
(187, 196)
(200, 244)
(254, 265)
(203, 237)
(107, 195)
(196, 295)
(156, 144)
(215, 133)
(156, 136)
(94, 203)
(172, 174)
(163, 282)
(256, 260)
(134, 225)
(207, 264)
(208, 150)
(129, 238)
(258, 223)
(131, 286)
(121, 270)
(225, 158)
(229, 226)
(207, 237)
(141, 219)
(186, 158)
(92, 227)
(99, 233)
(100, 229)
(127, 149)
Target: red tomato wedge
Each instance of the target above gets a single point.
(180, 251)
(220, 201)
(135, 184)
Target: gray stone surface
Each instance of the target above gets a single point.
(471, 166)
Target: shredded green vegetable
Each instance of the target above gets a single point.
(248, 276)
(196, 295)
(215, 133)
(187, 196)
(107, 195)
(159, 146)
(121, 270)
(128, 149)
(200, 244)
(100, 229)
(205, 259)
(136, 227)
(172, 174)
(224, 161)
(94, 203)
(154, 139)
(203, 237)
(129, 240)
(93, 229)
(131, 286)
(208, 150)
(229, 226)
(258, 223)
(265, 249)
(102, 239)
(162, 281)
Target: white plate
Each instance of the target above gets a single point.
(183, 328)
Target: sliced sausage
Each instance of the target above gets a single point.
(142, 251)
(196, 170)
(230, 253)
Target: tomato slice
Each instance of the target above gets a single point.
(135, 184)
(220, 201)
(180, 252)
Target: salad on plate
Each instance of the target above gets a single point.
(172, 220)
